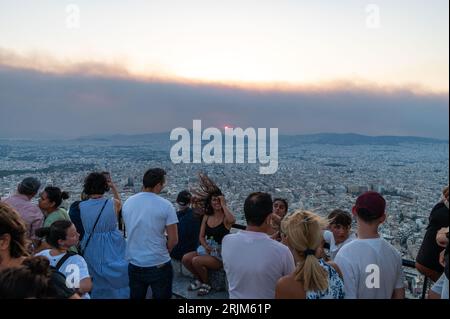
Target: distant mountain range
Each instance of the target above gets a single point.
(149, 137)
(357, 139)
(321, 138)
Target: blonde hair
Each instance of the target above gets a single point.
(304, 232)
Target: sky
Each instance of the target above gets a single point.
(369, 67)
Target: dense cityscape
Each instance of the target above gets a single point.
(317, 177)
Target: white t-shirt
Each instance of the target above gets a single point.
(146, 216)
(253, 263)
(68, 267)
(329, 238)
(372, 269)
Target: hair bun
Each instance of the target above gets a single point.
(42, 232)
(38, 265)
(64, 195)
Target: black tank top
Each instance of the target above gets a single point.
(217, 233)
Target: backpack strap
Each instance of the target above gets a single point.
(66, 256)
(75, 217)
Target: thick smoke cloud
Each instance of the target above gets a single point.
(42, 104)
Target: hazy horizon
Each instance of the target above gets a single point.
(113, 134)
(44, 104)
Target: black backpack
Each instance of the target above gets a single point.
(58, 288)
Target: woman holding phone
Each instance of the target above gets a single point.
(103, 245)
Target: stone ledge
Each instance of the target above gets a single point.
(182, 279)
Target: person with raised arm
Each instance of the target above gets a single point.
(216, 224)
(103, 245)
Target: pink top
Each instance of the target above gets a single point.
(28, 211)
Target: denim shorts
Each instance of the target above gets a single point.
(201, 251)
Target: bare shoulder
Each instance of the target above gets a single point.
(285, 280)
(289, 288)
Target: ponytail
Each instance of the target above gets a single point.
(311, 273)
(304, 234)
(55, 195)
(42, 232)
(65, 195)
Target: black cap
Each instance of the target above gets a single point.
(184, 198)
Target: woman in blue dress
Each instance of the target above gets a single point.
(103, 245)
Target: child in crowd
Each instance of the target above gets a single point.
(339, 233)
(280, 209)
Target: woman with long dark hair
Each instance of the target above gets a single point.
(216, 224)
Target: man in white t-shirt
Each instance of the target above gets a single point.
(252, 260)
(371, 267)
(148, 218)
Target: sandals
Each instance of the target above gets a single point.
(204, 290)
(195, 285)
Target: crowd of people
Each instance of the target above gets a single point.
(102, 248)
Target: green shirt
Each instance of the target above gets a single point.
(59, 214)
